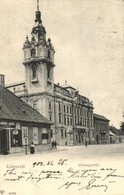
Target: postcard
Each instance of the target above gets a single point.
(61, 97)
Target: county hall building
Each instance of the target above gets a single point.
(69, 111)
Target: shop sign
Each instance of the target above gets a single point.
(7, 124)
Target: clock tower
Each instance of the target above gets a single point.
(39, 65)
(39, 59)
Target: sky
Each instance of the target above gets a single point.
(88, 37)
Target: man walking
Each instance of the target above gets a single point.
(85, 143)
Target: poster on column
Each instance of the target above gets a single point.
(68, 53)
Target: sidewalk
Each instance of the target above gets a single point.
(59, 149)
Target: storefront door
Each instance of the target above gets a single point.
(4, 141)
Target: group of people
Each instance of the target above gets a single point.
(32, 146)
(53, 144)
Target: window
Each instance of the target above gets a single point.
(34, 73)
(71, 121)
(16, 138)
(50, 106)
(59, 107)
(70, 110)
(64, 119)
(74, 110)
(65, 133)
(75, 120)
(50, 116)
(67, 110)
(62, 133)
(64, 108)
(48, 73)
(59, 118)
(67, 120)
(33, 53)
(45, 136)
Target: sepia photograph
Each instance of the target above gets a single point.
(61, 97)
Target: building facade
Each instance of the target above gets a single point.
(71, 113)
(20, 125)
(101, 129)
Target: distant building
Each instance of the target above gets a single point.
(115, 134)
(101, 129)
(20, 125)
(71, 113)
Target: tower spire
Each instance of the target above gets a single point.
(37, 5)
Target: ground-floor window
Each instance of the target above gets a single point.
(45, 136)
(16, 138)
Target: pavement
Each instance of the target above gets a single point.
(92, 151)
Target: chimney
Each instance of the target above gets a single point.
(2, 80)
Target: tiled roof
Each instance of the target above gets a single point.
(100, 117)
(12, 108)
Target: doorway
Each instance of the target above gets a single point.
(4, 141)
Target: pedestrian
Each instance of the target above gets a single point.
(55, 144)
(85, 143)
(52, 144)
(32, 148)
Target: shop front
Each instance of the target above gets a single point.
(13, 140)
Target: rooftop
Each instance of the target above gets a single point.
(12, 108)
(100, 117)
